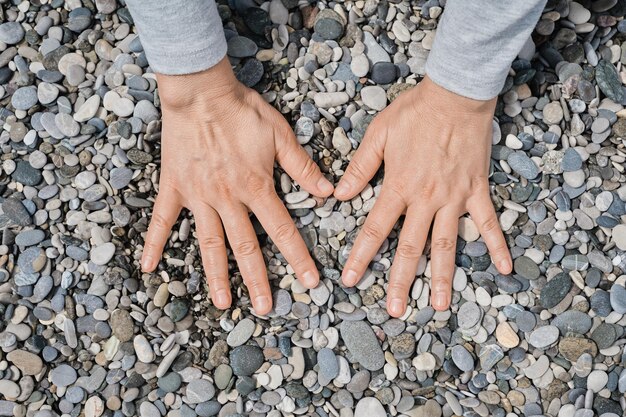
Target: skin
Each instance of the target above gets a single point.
(227, 138)
(435, 145)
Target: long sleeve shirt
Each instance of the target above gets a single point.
(475, 43)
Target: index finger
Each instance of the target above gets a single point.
(376, 228)
(164, 215)
(280, 227)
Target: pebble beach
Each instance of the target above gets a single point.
(84, 333)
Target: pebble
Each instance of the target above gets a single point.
(362, 344)
(241, 333)
(199, 391)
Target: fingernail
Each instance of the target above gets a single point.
(310, 279)
(342, 188)
(440, 300)
(349, 277)
(262, 303)
(325, 186)
(505, 265)
(146, 263)
(221, 298)
(396, 306)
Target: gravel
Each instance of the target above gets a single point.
(84, 332)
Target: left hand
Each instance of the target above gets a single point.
(436, 147)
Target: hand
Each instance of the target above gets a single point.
(436, 148)
(219, 143)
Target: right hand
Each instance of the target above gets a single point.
(219, 143)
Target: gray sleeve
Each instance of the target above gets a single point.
(476, 42)
(179, 36)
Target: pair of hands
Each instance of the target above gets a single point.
(219, 143)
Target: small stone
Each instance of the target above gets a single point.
(327, 362)
(462, 358)
(555, 290)
(63, 375)
(328, 24)
(11, 33)
(101, 255)
(245, 360)
(24, 97)
(241, 333)
(374, 97)
(27, 362)
(618, 298)
(370, 407)
(523, 165)
(199, 391)
(544, 337)
(241, 47)
(608, 81)
(362, 344)
(143, 349)
(553, 113)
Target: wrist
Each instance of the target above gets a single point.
(209, 90)
(445, 101)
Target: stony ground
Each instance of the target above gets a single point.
(85, 333)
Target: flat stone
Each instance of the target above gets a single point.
(523, 165)
(101, 255)
(327, 362)
(27, 362)
(374, 97)
(63, 375)
(544, 337)
(199, 391)
(241, 333)
(618, 298)
(24, 97)
(362, 344)
(371, 407)
(11, 33)
(555, 290)
(462, 358)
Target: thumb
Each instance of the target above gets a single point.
(297, 163)
(364, 164)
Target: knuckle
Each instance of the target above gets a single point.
(408, 250)
(309, 170)
(222, 184)
(258, 187)
(211, 242)
(285, 233)
(245, 248)
(356, 170)
(372, 232)
(255, 285)
(443, 244)
(159, 222)
(426, 189)
(397, 287)
(490, 224)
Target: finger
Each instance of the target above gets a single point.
(164, 215)
(442, 252)
(213, 250)
(363, 166)
(280, 227)
(297, 163)
(483, 214)
(410, 248)
(379, 222)
(245, 246)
